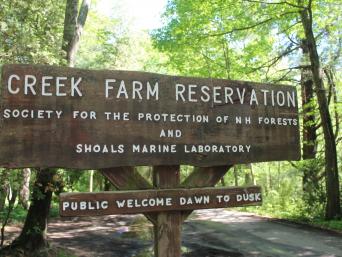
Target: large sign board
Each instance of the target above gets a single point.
(142, 201)
(74, 118)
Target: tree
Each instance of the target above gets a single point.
(12, 187)
(311, 173)
(24, 194)
(258, 40)
(333, 208)
(111, 43)
(73, 27)
(28, 36)
(308, 105)
(33, 235)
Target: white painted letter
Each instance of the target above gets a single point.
(180, 89)
(45, 85)
(9, 84)
(59, 85)
(74, 86)
(30, 85)
(152, 92)
(108, 86)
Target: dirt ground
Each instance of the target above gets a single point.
(208, 233)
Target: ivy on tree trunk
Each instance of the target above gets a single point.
(333, 207)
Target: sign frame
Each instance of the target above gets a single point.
(245, 124)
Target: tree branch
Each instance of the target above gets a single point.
(273, 61)
(293, 165)
(248, 27)
(332, 92)
(299, 67)
(275, 3)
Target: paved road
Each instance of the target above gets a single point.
(250, 235)
(209, 233)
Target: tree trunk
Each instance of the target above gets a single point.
(223, 183)
(248, 179)
(73, 27)
(333, 208)
(12, 196)
(236, 178)
(252, 174)
(70, 20)
(269, 179)
(33, 234)
(106, 184)
(24, 194)
(91, 181)
(332, 93)
(278, 175)
(3, 194)
(309, 121)
(4, 183)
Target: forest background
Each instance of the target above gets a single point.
(295, 42)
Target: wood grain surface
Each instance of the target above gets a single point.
(53, 142)
(179, 199)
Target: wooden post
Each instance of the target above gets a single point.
(127, 178)
(204, 177)
(167, 225)
(167, 230)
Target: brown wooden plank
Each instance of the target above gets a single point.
(204, 177)
(168, 229)
(63, 141)
(161, 200)
(127, 178)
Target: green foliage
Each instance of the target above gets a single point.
(212, 38)
(220, 39)
(72, 179)
(18, 215)
(31, 31)
(101, 42)
(283, 194)
(282, 190)
(54, 209)
(110, 43)
(331, 224)
(259, 41)
(313, 190)
(63, 253)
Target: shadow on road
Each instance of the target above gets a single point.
(208, 233)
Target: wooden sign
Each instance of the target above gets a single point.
(142, 201)
(73, 118)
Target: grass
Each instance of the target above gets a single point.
(331, 224)
(294, 215)
(63, 253)
(18, 214)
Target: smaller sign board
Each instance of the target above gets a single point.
(143, 201)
